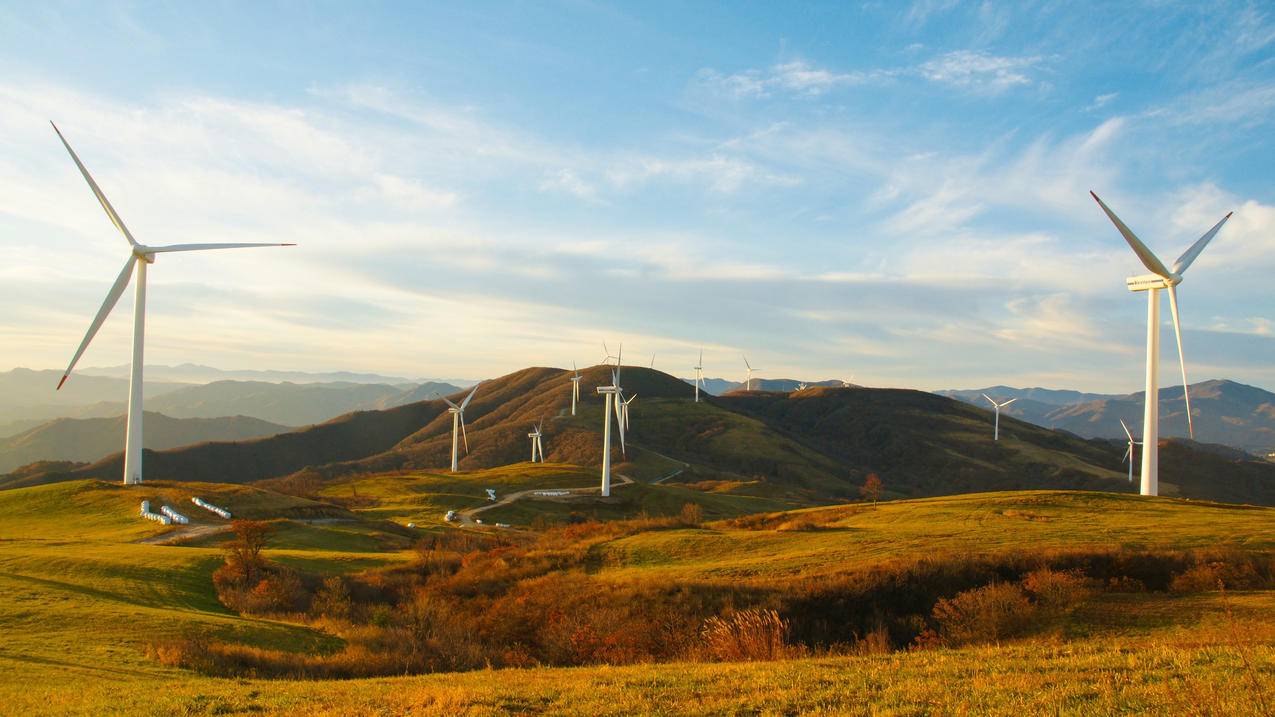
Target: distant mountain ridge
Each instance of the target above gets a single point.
(803, 447)
(198, 373)
(28, 398)
(1224, 412)
(88, 439)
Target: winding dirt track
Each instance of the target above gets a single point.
(466, 516)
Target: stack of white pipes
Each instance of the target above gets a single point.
(211, 508)
(147, 514)
(174, 515)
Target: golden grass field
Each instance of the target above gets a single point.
(80, 600)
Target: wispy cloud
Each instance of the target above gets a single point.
(980, 71)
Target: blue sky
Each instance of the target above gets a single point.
(895, 192)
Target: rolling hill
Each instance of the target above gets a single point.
(808, 447)
(1224, 412)
(87, 439)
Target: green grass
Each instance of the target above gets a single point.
(80, 600)
(980, 523)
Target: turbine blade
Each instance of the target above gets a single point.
(1189, 255)
(1128, 454)
(97, 191)
(1148, 258)
(746, 364)
(112, 296)
(463, 434)
(1009, 402)
(202, 247)
(449, 403)
(1126, 430)
(1177, 333)
(469, 398)
(989, 398)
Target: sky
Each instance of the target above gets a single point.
(893, 192)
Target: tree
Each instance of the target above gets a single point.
(245, 550)
(692, 514)
(871, 489)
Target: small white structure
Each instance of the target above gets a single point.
(174, 515)
(411, 525)
(211, 508)
(450, 517)
(147, 514)
(491, 494)
(551, 493)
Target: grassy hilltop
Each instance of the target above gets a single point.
(85, 602)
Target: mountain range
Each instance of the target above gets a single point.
(28, 398)
(1224, 412)
(804, 447)
(88, 439)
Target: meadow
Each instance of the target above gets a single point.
(86, 604)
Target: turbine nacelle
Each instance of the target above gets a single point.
(1147, 282)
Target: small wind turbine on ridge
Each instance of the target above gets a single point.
(1128, 454)
(458, 426)
(699, 374)
(996, 432)
(575, 387)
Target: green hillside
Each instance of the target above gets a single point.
(84, 601)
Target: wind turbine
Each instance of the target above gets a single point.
(699, 374)
(607, 354)
(652, 359)
(996, 432)
(848, 384)
(140, 255)
(624, 410)
(611, 392)
(1128, 455)
(458, 426)
(801, 386)
(1161, 277)
(575, 387)
(748, 383)
(537, 448)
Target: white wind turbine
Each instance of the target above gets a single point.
(996, 432)
(139, 256)
(624, 412)
(699, 374)
(537, 448)
(458, 426)
(1128, 455)
(652, 359)
(575, 387)
(613, 395)
(801, 386)
(748, 382)
(1161, 277)
(607, 356)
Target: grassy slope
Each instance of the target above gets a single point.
(983, 523)
(80, 606)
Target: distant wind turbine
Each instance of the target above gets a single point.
(1128, 454)
(652, 359)
(139, 257)
(801, 386)
(607, 356)
(848, 384)
(575, 387)
(996, 432)
(458, 426)
(537, 448)
(748, 382)
(699, 374)
(624, 410)
(1161, 277)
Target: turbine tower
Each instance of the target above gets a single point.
(537, 448)
(996, 432)
(575, 387)
(699, 374)
(1161, 277)
(139, 257)
(1128, 454)
(748, 382)
(458, 426)
(611, 392)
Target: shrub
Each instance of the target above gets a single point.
(333, 599)
(985, 614)
(1057, 590)
(692, 514)
(1216, 575)
(747, 635)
